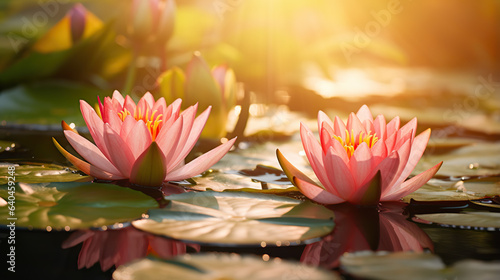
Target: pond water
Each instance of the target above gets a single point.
(424, 223)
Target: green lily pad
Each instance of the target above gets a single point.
(218, 266)
(46, 103)
(40, 173)
(478, 159)
(437, 190)
(410, 265)
(467, 220)
(71, 205)
(397, 265)
(238, 218)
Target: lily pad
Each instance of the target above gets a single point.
(40, 173)
(46, 103)
(72, 205)
(219, 266)
(467, 220)
(479, 159)
(410, 265)
(238, 218)
(398, 265)
(437, 190)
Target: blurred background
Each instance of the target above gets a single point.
(439, 60)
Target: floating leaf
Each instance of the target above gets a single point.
(398, 265)
(410, 265)
(238, 218)
(467, 220)
(480, 159)
(40, 173)
(73, 205)
(436, 190)
(45, 103)
(219, 266)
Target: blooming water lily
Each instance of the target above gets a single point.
(145, 143)
(362, 162)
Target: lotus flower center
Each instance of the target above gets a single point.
(351, 142)
(153, 121)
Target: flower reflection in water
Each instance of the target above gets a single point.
(117, 247)
(361, 229)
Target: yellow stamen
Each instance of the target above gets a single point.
(153, 124)
(351, 142)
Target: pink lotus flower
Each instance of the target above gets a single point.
(362, 162)
(145, 143)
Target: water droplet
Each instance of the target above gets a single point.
(49, 228)
(67, 228)
(263, 244)
(265, 257)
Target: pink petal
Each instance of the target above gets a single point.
(114, 120)
(379, 125)
(127, 127)
(364, 114)
(339, 127)
(403, 155)
(201, 163)
(85, 167)
(361, 164)
(390, 142)
(314, 154)
(401, 139)
(194, 135)
(90, 152)
(316, 193)
(160, 106)
(325, 138)
(388, 169)
(410, 127)
(173, 110)
(95, 126)
(339, 175)
(119, 152)
(290, 170)
(393, 126)
(150, 100)
(379, 152)
(417, 150)
(118, 97)
(188, 117)
(129, 104)
(323, 118)
(168, 139)
(139, 139)
(368, 125)
(355, 126)
(412, 184)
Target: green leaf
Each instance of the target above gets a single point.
(238, 218)
(467, 220)
(40, 173)
(73, 205)
(437, 190)
(218, 266)
(410, 265)
(46, 103)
